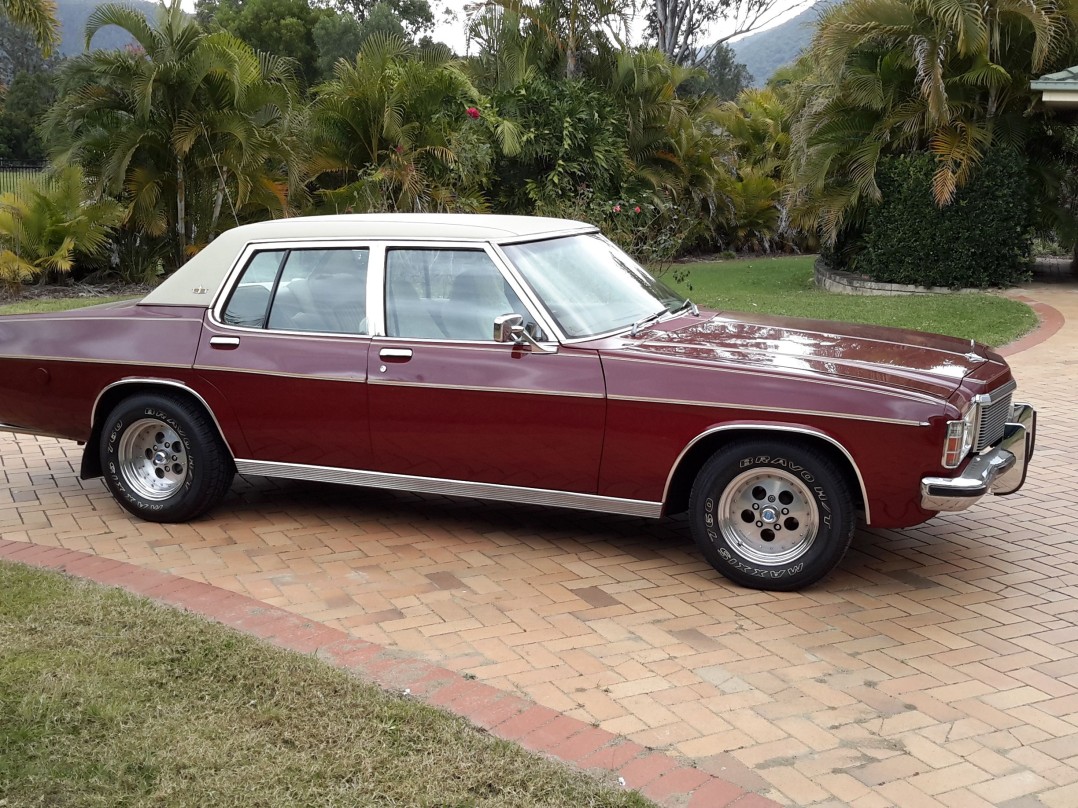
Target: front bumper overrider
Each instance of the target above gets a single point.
(1000, 470)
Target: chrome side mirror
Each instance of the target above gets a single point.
(511, 328)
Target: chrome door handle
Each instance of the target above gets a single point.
(395, 354)
(225, 343)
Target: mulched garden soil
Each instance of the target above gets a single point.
(15, 293)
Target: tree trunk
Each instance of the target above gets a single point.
(218, 200)
(1074, 259)
(181, 211)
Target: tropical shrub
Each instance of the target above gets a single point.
(908, 76)
(47, 223)
(758, 124)
(400, 129)
(186, 128)
(983, 238)
(572, 141)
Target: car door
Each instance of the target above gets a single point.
(448, 402)
(287, 347)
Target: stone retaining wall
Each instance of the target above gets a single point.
(851, 283)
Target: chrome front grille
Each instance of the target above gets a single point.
(992, 420)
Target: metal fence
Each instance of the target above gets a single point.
(12, 172)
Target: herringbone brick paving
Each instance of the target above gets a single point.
(938, 666)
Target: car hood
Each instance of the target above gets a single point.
(924, 363)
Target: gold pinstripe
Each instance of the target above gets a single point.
(480, 389)
(133, 362)
(759, 408)
(680, 360)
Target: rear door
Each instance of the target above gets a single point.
(288, 348)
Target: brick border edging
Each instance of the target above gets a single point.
(656, 775)
(1050, 320)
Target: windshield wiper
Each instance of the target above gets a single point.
(687, 304)
(643, 321)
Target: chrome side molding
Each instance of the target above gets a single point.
(458, 488)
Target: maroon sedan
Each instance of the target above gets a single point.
(519, 359)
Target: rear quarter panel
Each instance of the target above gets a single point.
(53, 366)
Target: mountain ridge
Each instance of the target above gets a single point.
(764, 52)
(73, 14)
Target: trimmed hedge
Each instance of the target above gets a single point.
(983, 238)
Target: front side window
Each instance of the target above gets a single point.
(589, 286)
(446, 294)
(322, 291)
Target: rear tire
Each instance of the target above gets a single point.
(772, 516)
(163, 459)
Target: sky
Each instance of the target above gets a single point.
(450, 28)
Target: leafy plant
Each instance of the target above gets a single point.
(983, 238)
(906, 76)
(46, 223)
(402, 128)
(180, 125)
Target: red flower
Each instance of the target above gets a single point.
(636, 209)
(399, 149)
(617, 208)
(473, 113)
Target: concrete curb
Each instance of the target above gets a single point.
(658, 776)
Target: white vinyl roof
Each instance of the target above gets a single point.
(197, 282)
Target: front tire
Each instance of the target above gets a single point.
(163, 459)
(771, 516)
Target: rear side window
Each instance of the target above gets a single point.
(250, 300)
(320, 291)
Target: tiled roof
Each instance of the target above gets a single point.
(1063, 80)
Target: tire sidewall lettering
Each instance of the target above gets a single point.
(115, 432)
(711, 518)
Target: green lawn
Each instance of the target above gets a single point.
(107, 699)
(785, 286)
(58, 304)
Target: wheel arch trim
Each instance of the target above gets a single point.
(745, 426)
(95, 419)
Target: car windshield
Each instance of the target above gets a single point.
(589, 286)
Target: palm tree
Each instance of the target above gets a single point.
(399, 128)
(39, 16)
(894, 76)
(572, 28)
(179, 123)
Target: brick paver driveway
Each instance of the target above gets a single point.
(939, 666)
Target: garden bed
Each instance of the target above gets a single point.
(16, 293)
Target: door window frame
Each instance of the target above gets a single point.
(376, 276)
(235, 276)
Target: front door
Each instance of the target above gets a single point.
(448, 402)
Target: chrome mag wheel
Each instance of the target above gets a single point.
(771, 514)
(768, 516)
(152, 458)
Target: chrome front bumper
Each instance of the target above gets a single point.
(1001, 470)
